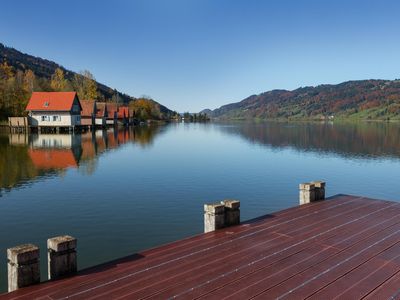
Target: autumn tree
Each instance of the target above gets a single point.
(58, 81)
(29, 81)
(13, 96)
(85, 85)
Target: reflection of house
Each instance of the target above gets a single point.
(54, 109)
(89, 150)
(18, 139)
(112, 139)
(123, 136)
(55, 140)
(53, 158)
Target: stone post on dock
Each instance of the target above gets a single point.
(319, 190)
(232, 212)
(23, 266)
(220, 215)
(214, 217)
(311, 191)
(62, 258)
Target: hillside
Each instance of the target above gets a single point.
(364, 99)
(43, 71)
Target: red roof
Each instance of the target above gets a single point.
(87, 108)
(112, 109)
(51, 101)
(123, 112)
(101, 110)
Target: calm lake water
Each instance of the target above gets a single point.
(120, 192)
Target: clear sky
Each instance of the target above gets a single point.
(196, 54)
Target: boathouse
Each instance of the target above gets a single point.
(123, 116)
(112, 113)
(54, 109)
(88, 113)
(101, 114)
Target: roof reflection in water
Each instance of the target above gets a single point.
(25, 158)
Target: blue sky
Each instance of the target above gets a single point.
(196, 54)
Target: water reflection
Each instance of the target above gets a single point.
(351, 140)
(25, 158)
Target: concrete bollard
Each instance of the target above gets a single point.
(307, 193)
(214, 217)
(232, 212)
(319, 190)
(62, 258)
(23, 266)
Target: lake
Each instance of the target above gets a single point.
(122, 191)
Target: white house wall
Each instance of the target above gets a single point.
(65, 119)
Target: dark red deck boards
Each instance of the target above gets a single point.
(346, 247)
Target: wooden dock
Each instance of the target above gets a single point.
(345, 247)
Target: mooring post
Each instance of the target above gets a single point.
(23, 266)
(307, 193)
(214, 217)
(232, 212)
(62, 258)
(319, 190)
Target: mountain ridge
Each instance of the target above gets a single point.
(358, 99)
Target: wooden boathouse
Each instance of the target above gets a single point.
(345, 247)
(59, 110)
(52, 112)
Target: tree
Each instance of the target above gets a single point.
(6, 71)
(115, 97)
(89, 85)
(58, 82)
(85, 85)
(29, 81)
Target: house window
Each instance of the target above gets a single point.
(45, 118)
(46, 104)
(56, 118)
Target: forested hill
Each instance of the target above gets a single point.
(364, 99)
(17, 68)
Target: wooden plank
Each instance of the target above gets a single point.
(307, 283)
(362, 280)
(390, 289)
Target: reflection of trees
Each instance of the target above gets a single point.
(144, 136)
(348, 139)
(16, 166)
(88, 167)
(22, 160)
